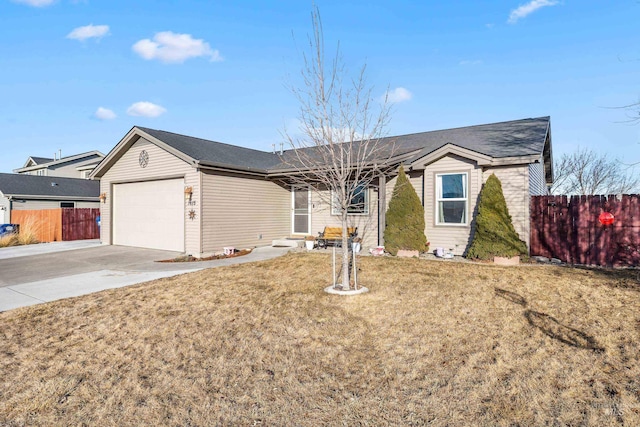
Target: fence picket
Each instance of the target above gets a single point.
(569, 229)
(51, 225)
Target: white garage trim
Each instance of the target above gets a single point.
(149, 214)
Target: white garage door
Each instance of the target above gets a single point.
(149, 214)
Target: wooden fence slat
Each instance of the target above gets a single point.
(54, 225)
(79, 224)
(569, 229)
(45, 224)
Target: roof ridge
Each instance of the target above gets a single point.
(467, 127)
(203, 139)
(446, 130)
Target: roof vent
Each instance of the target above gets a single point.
(54, 184)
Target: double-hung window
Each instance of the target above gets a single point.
(452, 199)
(358, 205)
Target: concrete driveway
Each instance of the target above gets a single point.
(48, 272)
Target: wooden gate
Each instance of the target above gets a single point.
(80, 224)
(568, 228)
(51, 225)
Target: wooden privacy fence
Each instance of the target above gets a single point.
(51, 225)
(568, 228)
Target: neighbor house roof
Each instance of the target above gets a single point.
(503, 140)
(41, 187)
(40, 160)
(46, 162)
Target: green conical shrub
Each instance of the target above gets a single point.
(404, 225)
(495, 235)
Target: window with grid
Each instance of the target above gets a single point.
(452, 199)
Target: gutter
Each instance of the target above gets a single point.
(220, 167)
(44, 197)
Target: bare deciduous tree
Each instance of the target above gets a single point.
(338, 148)
(588, 172)
(633, 112)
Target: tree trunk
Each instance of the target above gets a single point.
(345, 252)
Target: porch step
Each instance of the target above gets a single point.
(288, 243)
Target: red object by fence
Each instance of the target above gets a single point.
(606, 218)
(571, 229)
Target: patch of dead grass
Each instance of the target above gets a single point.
(8, 240)
(262, 344)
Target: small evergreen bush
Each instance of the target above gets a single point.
(404, 225)
(495, 235)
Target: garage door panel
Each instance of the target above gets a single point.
(149, 214)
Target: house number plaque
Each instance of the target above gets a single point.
(143, 159)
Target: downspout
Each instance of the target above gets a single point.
(382, 207)
(200, 209)
(10, 207)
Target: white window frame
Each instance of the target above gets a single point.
(335, 210)
(439, 198)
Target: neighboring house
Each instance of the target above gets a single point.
(27, 192)
(76, 166)
(175, 192)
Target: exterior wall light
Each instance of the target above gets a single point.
(188, 191)
(103, 197)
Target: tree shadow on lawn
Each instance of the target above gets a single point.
(559, 332)
(511, 297)
(550, 326)
(617, 278)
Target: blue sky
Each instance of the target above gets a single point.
(76, 75)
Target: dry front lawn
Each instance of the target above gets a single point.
(437, 343)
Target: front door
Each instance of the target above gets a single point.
(301, 211)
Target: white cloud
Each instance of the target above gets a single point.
(527, 9)
(88, 31)
(398, 94)
(104, 114)
(470, 62)
(145, 109)
(170, 47)
(36, 3)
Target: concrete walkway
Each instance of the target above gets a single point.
(46, 248)
(70, 272)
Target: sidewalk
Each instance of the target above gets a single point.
(46, 248)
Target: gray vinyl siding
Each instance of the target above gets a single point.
(87, 205)
(243, 211)
(5, 212)
(321, 217)
(68, 169)
(35, 205)
(162, 165)
(515, 186)
(455, 238)
(416, 178)
(537, 184)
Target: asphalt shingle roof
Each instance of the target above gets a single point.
(216, 152)
(41, 160)
(504, 139)
(32, 185)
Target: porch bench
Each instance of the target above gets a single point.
(333, 236)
